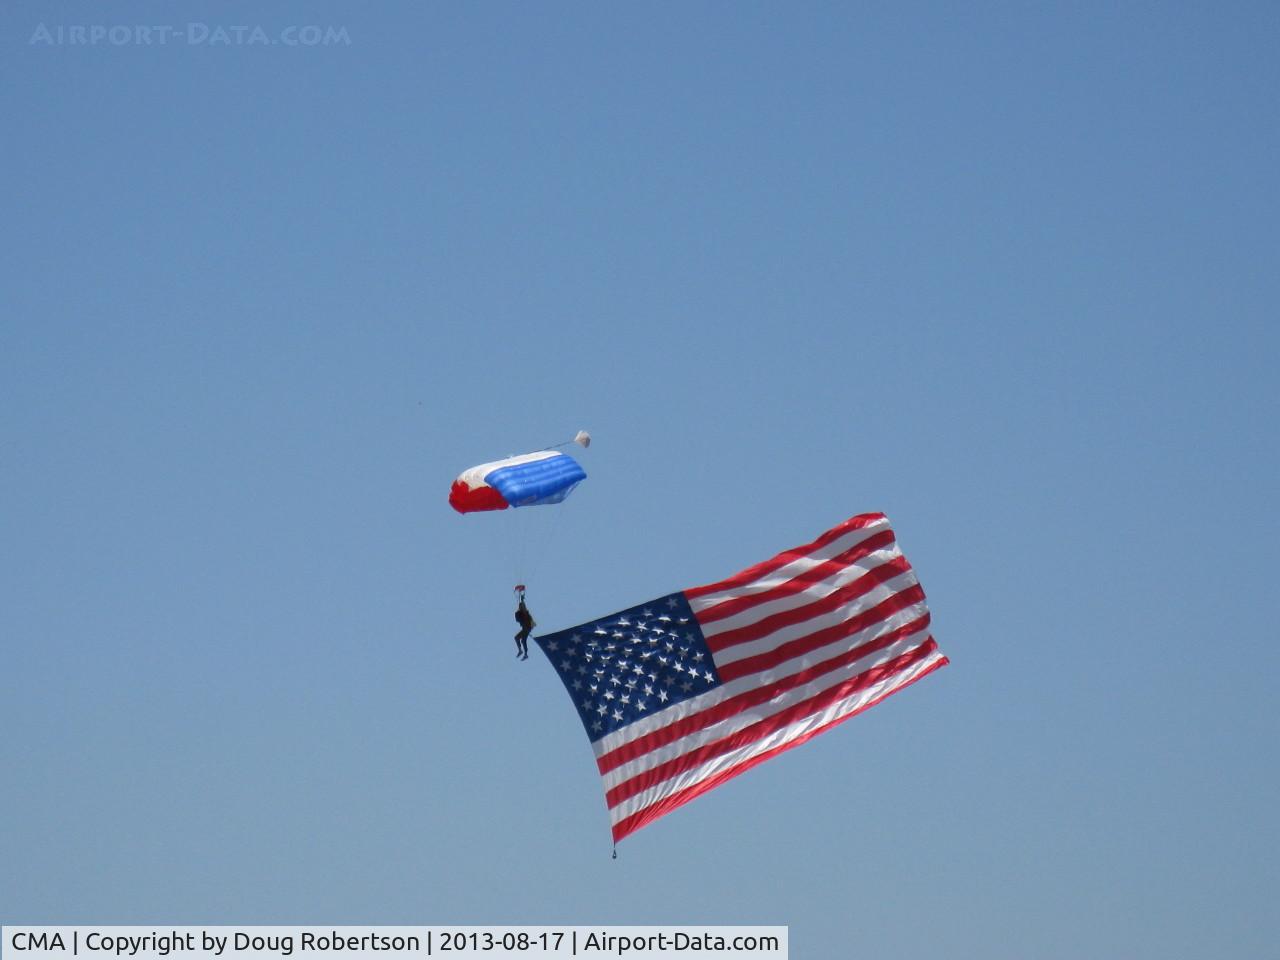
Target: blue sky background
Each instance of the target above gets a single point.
(1005, 272)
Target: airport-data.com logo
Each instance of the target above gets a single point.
(187, 35)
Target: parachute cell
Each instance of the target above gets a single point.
(545, 477)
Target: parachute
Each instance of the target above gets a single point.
(531, 479)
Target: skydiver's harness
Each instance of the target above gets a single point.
(523, 616)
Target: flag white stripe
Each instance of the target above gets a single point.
(793, 568)
(821, 621)
(814, 591)
(785, 701)
(835, 711)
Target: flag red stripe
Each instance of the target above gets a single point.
(782, 559)
(750, 698)
(664, 806)
(768, 725)
(828, 568)
(820, 638)
(833, 601)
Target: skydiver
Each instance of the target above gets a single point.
(527, 623)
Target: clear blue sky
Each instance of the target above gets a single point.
(1007, 273)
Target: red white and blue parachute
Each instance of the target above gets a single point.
(531, 479)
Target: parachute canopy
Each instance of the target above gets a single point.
(547, 476)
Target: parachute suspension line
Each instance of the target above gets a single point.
(520, 536)
(548, 529)
(537, 532)
(551, 533)
(581, 438)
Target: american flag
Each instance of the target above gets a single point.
(680, 694)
